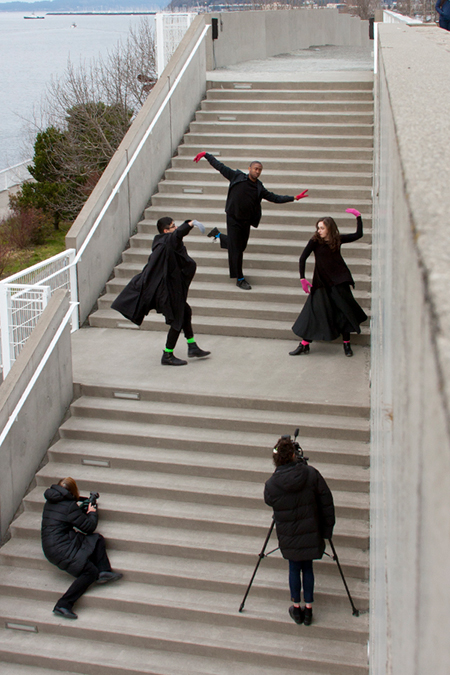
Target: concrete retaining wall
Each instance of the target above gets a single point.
(257, 35)
(27, 442)
(410, 474)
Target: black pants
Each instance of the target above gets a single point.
(97, 562)
(173, 335)
(235, 241)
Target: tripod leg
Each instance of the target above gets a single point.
(260, 557)
(355, 611)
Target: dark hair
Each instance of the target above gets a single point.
(283, 451)
(164, 223)
(334, 238)
(71, 486)
(255, 161)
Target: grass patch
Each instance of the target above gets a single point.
(21, 259)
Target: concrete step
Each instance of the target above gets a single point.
(287, 105)
(134, 599)
(319, 204)
(230, 155)
(283, 116)
(286, 216)
(267, 151)
(217, 87)
(224, 290)
(220, 188)
(194, 544)
(252, 328)
(138, 645)
(202, 174)
(297, 139)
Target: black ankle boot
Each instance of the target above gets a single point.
(301, 349)
(307, 616)
(169, 359)
(194, 350)
(347, 349)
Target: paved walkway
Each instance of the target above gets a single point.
(240, 366)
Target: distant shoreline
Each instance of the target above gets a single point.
(112, 13)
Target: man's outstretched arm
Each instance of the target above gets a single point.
(282, 199)
(226, 172)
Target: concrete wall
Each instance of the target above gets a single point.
(410, 474)
(127, 206)
(27, 442)
(257, 35)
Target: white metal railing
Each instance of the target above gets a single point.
(169, 30)
(395, 17)
(14, 175)
(60, 271)
(24, 296)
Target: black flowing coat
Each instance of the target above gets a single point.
(63, 545)
(164, 282)
(303, 510)
(237, 176)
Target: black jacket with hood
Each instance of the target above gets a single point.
(303, 510)
(62, 544)
(237, 176)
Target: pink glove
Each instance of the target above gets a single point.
(305, 285)
(198, 157)
(301, 195)
(353, 211)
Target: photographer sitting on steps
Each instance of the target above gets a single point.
(78, 551)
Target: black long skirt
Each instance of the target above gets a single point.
(328, 313)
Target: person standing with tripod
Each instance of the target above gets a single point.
(303, 512)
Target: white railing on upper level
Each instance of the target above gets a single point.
(60, 271)
(14, 175)
(395, 17)
(24, 296)
(169, 30)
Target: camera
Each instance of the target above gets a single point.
(85, 501)
(299, 456)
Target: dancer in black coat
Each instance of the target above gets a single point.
(330, 309)
(303, 511)
(69, 541)
(243, 209)
(163, 285)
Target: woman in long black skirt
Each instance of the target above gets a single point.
(330, 309)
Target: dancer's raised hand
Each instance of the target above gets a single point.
(302, 195)
(198, 157)
(305, 285)
(354, 212)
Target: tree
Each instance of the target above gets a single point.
(85, 115)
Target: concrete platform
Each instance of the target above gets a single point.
(240, 366)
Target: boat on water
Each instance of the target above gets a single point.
(33, 16)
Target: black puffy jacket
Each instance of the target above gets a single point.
(303, 510)
(62, 544)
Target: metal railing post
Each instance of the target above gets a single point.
(5, 329)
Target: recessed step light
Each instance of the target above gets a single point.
(105, 463)
(28, 628)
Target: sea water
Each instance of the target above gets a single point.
(31, 52)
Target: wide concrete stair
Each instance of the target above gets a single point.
(181, 481)
(315, 135)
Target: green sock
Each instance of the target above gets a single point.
(191, 340)
(169, 351)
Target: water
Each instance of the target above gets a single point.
(31, 52)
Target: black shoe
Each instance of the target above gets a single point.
(301, 349)
(169, 359)
(347, 349)
(242, 283)
(64, 612)
(296, 614)
(214, 232)
(194, 350)
(307, 616)
(105, 577)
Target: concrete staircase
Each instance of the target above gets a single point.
(180, 480)
(181, 475)
(315, 135)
